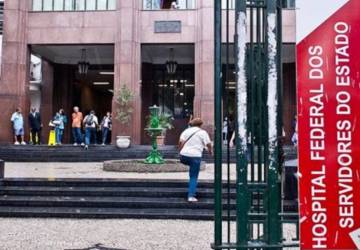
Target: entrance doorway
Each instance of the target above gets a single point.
(170, 87)
(64, 85)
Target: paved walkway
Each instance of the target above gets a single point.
(61, 234)
(93, 170)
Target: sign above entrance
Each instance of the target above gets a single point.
(328, 66)
(167, 27)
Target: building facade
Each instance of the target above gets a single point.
(163, 53)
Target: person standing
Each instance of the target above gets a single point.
(192, 143)
(106, 127)
(294, 138)
(35, 126)
(18, 126)
(91, 123)
(77, 118)
(59, 121)
(225, 131)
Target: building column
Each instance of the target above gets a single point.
(14, 84)
(127, 66)
(46, 107)
(204, 65)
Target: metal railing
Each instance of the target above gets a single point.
(259, 221)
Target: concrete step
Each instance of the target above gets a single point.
(108, 198)
(104, 191)
(94, 182)
(107, 213)
(109, 202)
(69, 153)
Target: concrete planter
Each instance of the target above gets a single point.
(123, 141)
(138, 166)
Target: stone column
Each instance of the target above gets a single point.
(47, 88)
(127, 65)
(14, 84)
(204, 64)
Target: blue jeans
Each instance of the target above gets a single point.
(58, 133)
(89, 132)
(77, 136)
(105, 132)
(194, 164)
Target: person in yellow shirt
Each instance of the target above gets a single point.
(77, 118)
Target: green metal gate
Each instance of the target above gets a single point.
(259, 215)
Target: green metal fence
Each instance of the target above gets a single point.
(259, 218)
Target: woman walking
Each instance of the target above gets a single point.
(192, 143)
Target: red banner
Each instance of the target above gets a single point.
(328, 68)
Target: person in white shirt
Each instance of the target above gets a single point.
(18, 126)
(91, 123)
(192, 143)
(106, 127)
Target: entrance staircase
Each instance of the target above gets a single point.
(69, 153)
(108, 198)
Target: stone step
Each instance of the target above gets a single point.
(69, 153)
(109, 202)
(80, 182)
(108, 213)
(106, 191)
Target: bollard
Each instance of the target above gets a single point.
(2, 169)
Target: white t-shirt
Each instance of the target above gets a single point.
(194, 147)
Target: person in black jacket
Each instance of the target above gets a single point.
(35, 126)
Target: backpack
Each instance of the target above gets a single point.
(89, 120)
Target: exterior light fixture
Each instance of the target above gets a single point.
(106, 73)
(101, 83)
(171, 64)
(83, 65)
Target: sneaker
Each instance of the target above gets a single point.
(23, 143)
(103, 144)
(17, 143)
(192, 199)
(75, 144)
(82, 144)
(86, 147)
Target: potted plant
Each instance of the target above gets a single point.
(165, 122)
(124, 98)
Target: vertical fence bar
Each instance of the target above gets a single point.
(218, 125)
(272, 114)
(226, 104)
(2, 170)
(242, 205)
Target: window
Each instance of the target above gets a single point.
(58, 5)
(73, 5)
(48, 5)
(1, 20)
(37, 5)
(79, 4)
(91, 5)
(231, 4)
(111, 5)
(101, 4)
(69, 5)
(288, 3)
(166, 4)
